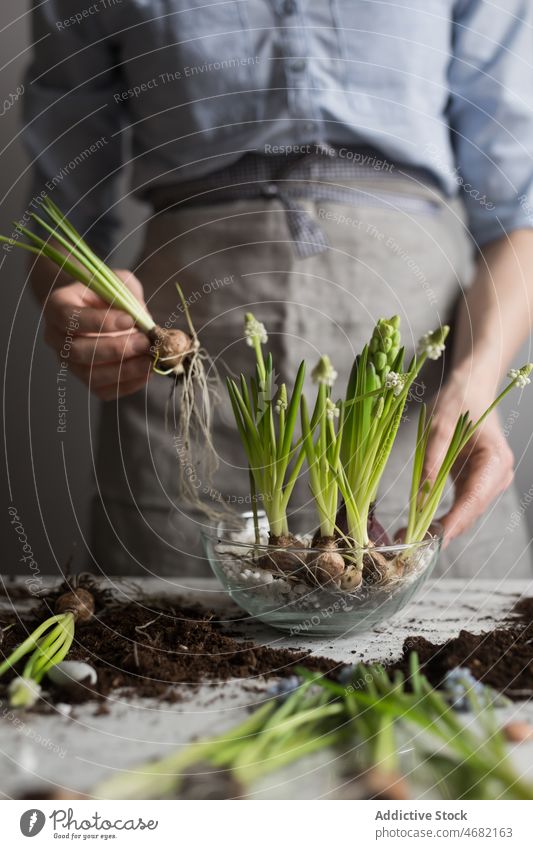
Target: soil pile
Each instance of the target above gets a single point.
(148, 649)
(501, 658)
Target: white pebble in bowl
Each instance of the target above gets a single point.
(68, 673)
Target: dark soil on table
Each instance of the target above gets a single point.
(501, 658)
(148, 647)
(14, 591)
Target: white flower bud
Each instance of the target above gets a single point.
(395, 381)
(432, 344)
(324, 372)
(332, 411)
(520, 376)
(254, 331)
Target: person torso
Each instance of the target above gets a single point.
(268, 75)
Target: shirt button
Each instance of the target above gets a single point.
(289, 7)
(298, 65)
(270, 190)
(309, 127)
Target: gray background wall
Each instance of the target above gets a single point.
(48, 476)
(45, 476)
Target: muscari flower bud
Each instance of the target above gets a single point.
(324, 372)
(281, 403)
(254, 331)
(346, 674)
(395, 381)
(332, 411)
(459, 683)
(520, 376)
(284, 688)
(432, 344)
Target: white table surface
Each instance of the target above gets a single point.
(81, 749)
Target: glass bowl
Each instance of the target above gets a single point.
(279, 585)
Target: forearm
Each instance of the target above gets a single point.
(494, 319)
(496, 314)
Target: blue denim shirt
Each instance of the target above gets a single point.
(183, 87)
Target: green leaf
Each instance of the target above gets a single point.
(292, 411)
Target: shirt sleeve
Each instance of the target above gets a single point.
(491, 114)
(71, 121)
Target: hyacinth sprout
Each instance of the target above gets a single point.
(426, 495)
(266, 419)
(47, 646)
(367, 718)
(377, 393)
(343, 450)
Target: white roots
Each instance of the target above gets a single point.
(326, 564)
(189, 414)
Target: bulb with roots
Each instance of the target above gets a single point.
(351, 578)
(325, 563)
(79, 602)
(379, 568)
(171, 349)
(285, 554)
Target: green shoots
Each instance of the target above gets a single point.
(266, 419)
(49, 643)
(426, 495)
(378, 390)
(368, 717)
(79, 261)
(346, 446)
(323, 453)
(175, 352)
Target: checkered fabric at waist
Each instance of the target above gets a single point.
(364, 178)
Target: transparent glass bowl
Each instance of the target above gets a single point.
(276, 585)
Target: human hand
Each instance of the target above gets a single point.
(485, 467)
(107, 353)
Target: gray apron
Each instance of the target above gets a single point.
(393, 246)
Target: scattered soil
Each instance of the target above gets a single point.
(14, 591)
(148, 648)
(523, 612)
(501, 658)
